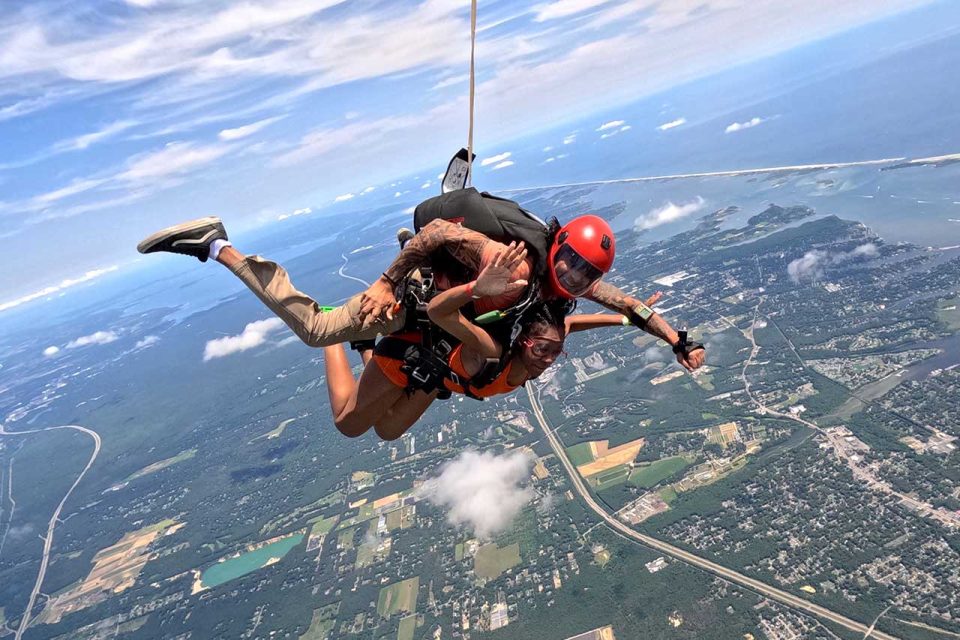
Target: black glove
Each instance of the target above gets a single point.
(685, 347)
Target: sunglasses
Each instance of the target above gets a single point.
(543, 347)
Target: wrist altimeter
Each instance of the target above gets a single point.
(640, 314)
(685, 346)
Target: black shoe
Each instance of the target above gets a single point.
(404, 236)
(189, 238)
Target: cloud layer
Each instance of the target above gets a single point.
(481, 490)
(97, 337)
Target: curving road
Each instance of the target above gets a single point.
(622, 528)
(48, 539)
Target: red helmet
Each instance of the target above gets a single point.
(581, 253)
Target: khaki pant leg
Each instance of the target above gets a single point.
(270, 282)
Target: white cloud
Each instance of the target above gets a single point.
(247, 130)
(570, 139)
(813, 265)
(301, 212)
(344, 197)
(426, 184)
(503, 165)
(673, 123)
(613, 124)
(367, 190)
(51, 351)
(740, 126)
(147, 341)
(97, 337)
(83, 141)
(253, 335)
(564, 8)
(500, 157)
(64, 284)
(547, 149)
(451, 81)
(481, 490)
(174, 158)
(626, 127)
(669, 212)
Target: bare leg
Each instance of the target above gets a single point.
(403, 414)
(340, 383)
(357, 406)
(366, 356)
(229, 257)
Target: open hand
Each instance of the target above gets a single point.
(497, 277)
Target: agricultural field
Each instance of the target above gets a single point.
(322, 623)
(399, 596)
(650, 475)
(408, 627)
(160, 465)
(492, 560)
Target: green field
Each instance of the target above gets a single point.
(408, 627)
(668, 494)
(580, 454)
(323, 622)
(458, 552)
(652, 474)
(345, 538)
(610, 477)
(162, 464)
(399, 596)
(322, 525)
(492, 560)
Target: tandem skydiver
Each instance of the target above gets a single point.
(567, 262)
(387, 398)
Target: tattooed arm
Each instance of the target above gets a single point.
(612, 298)
(466, 246)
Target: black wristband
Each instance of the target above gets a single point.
(389, 279)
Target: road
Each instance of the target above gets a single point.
(48, 539)
(343, 275)
(762, 588)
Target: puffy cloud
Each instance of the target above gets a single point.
(147, 341)
(482, 490)
(812, 266)
(740, 126)
(97, 337)
(344, 197)
(426, 184)
(570, 139)
(503, 165)
(253, 335)
(613, 124)
(669, 212)
(673, 123)
(51, 351)
(500, 157)
(368, 190)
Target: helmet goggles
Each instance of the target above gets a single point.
(573, 272)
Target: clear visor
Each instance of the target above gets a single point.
(575, 274)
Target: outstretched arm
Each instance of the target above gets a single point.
(465, 245)
(614, 299)
(585, 321)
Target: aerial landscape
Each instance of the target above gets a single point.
(169, 467)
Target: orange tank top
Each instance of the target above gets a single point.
(498, 386)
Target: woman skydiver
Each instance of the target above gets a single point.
(380, 399)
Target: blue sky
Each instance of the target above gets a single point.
(117, 118)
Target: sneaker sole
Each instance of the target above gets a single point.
(158, 237)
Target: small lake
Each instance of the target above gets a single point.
(248, 562)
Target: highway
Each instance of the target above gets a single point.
(795, 602)
(48, 539)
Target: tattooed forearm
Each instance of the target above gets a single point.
(614, 299)
(465, 245)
